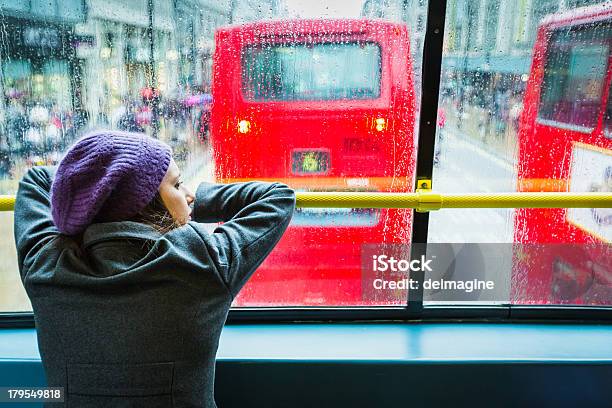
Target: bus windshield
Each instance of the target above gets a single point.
(307, 72)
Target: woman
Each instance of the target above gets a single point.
(130, 291)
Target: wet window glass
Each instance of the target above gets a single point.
(325, 96)
(521, 100)
(213, 80)
(574, 76)
(329, 71)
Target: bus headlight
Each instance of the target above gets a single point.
(244, 126)
(381, 124)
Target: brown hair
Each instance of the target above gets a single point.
(157, 216)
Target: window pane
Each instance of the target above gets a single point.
(71, 67)
(327, 71)
(321, 95)
(574, 76)
(521, 108)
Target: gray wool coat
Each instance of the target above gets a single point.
(127, 317)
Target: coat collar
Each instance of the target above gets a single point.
(107, 231)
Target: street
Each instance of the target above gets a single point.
(465, 167)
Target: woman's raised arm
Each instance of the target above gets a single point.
(33, 224)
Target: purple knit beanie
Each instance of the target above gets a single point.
(107, 176)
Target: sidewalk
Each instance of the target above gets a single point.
(501, 154)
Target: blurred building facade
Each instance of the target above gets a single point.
(39, 70)
(487, 59)
(411, 12)
(101, 49)
(487, 56)
(117, 65)
(243, 11)
(140, 65)
(497, 36)
(492, 36)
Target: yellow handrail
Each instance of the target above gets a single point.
(428, 201)
(7, 203)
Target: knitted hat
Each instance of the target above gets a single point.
(107, 176)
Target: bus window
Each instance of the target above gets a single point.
(301, 72)
(574, 77)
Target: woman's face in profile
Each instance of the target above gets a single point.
(175, 195)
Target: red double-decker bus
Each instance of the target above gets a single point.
(319, 105)
(565, 144)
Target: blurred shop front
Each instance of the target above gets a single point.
(68, 67)
(41, 80)
(119, 66)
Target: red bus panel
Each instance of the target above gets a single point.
(565, 144)
(318, 105)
